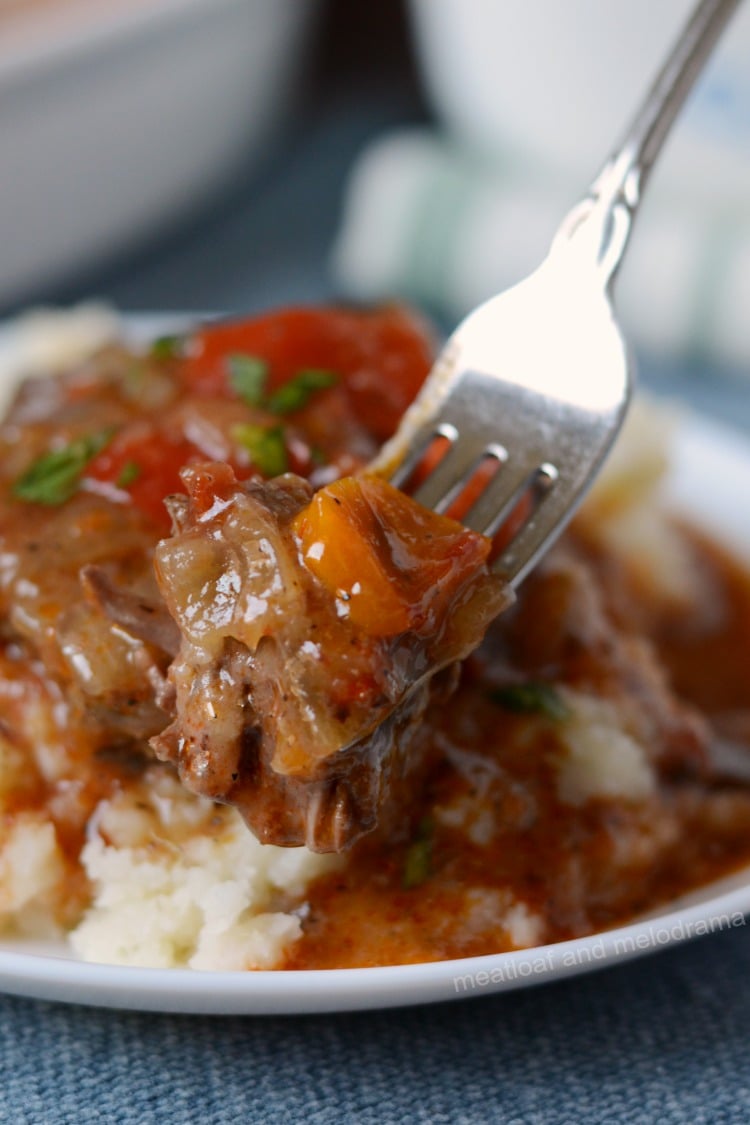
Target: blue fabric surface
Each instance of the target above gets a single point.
(663, 1040)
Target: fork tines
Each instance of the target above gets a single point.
(486, 491)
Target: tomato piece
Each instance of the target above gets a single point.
(141, 465)
(206, 484)
(395, 565)
(381, 356)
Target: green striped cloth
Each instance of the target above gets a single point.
(428, 221)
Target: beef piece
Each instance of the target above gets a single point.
(305, 621)
(563, 630)
(142, 617)
(55, 568)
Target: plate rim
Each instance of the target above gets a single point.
(310, 991)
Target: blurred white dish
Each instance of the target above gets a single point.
(548, 85)
(117, 118)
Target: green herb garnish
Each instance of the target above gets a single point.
(531, 698)
(266, 447)
(129, 473)
(247, 376)
(167, 347)
(418, 861)
(54, 477)
(299, 390)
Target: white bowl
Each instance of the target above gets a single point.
(118, 118)
(547, 87)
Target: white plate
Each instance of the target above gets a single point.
(711, 472)
(119, 119)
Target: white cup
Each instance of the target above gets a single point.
(553, 83)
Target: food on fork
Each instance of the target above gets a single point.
(207, 604)
(305, 619)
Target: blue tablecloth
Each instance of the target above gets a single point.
(663, 1040)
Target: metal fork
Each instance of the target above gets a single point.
(532, 388)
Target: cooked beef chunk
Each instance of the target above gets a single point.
(290, 680)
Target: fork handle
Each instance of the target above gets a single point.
(616, 192)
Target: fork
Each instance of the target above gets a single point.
(530, 391)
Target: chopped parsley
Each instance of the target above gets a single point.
(299, 390)
(128, 474)
(54, 477)
(266, 446)
(418, 861)
(247, 376)
(531, 698)
(167, 347)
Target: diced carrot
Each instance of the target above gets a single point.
(393, 564)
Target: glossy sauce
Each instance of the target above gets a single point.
(561, 861)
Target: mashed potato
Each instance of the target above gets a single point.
(179, 881)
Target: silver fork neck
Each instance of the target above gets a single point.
(599, 227)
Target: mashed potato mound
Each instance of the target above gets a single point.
(46, 341)
(181, 882)
(600, 759)
(31, 874)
